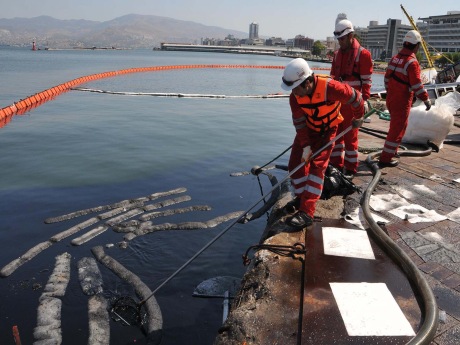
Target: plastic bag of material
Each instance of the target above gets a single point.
(433, 125)
(335, 183)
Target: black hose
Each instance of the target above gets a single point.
(258, 170)
(428, 301)
(371, 132)
(451, 142)
(274, 196)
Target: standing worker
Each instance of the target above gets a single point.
(315, 103)
(352, 65)
(402, 82)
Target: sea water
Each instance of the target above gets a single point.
(86, 149)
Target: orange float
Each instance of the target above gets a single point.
(48, 94)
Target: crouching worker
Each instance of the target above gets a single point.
(315, 102)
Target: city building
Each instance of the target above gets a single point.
(253, 31)
(275, 41)
(254, 35)
(442, 33)
(331, 44)
(384, 41)
(303, 42)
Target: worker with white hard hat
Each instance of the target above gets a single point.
(315, 102)
(352, 65)
(403, 83)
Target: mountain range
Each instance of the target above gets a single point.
(129, 31)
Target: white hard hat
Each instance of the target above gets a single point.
(342, 28)
(413, 37)
(295, 73)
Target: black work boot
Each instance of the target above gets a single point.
(391, 164)
(292, 206)
(348, 174)
(300, 220)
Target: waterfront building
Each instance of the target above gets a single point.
(384, 41)
(275, 41)
(442, 32)
(362, 34)
(253, 31)
(331, 44)
(303, 42)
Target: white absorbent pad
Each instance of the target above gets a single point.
(356, 217)
(369, 309)
(417, 214)
(349, 243)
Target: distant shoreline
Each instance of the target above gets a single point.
(92, 48)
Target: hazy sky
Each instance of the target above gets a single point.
(280, 18)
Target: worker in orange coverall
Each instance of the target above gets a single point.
(402, 82)
(352, 65)
(315, 102)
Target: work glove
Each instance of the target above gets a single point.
(427, 104)
(356, 123)
(306, 154)
(366, 107)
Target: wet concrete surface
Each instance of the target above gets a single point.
(267, 309)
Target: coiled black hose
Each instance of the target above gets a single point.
(428, 301)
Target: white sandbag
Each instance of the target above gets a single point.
(451, 99)
(434, 124)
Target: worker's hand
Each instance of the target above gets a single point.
(427, 104)
(356, 123)
(306, 154)
(366, 107)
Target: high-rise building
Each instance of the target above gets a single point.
(253, 30)
(384, 41)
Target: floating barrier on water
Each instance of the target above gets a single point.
(143, 230)
(154, 325)
(91, 283)
(157, 214)
(30, 254)
(31, 102)
(180, 95)
(89, 276)
(99, 321)
(89, 235)
(48, 328)
(9, 268)
(28, 103)
(117, 205)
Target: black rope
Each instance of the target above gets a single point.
(297, 252)
(262, 193)
(259, 170)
